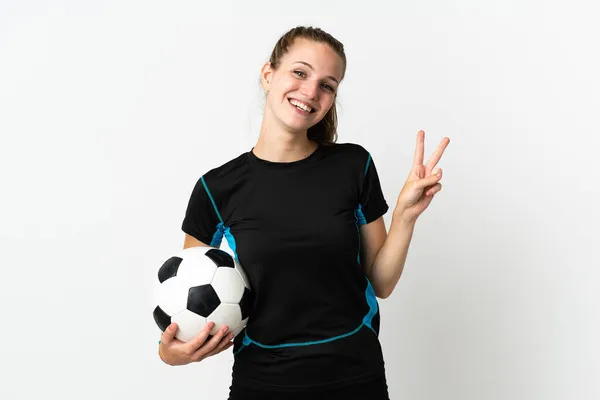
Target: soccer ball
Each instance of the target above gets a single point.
(201, 285)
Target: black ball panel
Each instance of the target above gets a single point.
(203, 300)
(169, 269)
(161, 318)
(246, 303)
(220, 258)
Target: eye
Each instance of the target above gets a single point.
(329, 88)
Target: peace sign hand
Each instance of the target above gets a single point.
(422, 183)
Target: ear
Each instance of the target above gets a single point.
(266, 75)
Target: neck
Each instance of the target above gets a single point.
(281, 146)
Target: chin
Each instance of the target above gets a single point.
(295, 124)
(298, 125)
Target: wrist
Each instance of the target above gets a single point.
(400, 218)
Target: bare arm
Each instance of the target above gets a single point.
(191, 241)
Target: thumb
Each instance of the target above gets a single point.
(169, 333)
(429, 180)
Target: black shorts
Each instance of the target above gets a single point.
(375, 389)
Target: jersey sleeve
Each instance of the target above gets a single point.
(201, 219)
(372, 201)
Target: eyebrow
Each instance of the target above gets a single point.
(311, 67)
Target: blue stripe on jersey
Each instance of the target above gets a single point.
(218, 236)
(247, 341)
(222, 230)
(360, 216)
(373, 308)
(367, 166)
(357, 216)
(212, 200)
(370, 292)
(231, 242)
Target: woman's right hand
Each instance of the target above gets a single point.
(175, 352)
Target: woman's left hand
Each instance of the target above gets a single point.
(422, 184)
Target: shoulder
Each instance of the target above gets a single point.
(350, 148)
(229, 170)
(225, 176)
(352, 153)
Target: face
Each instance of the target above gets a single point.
(310, 74)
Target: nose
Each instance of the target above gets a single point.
(310, 89)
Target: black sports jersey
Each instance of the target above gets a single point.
(294, 228)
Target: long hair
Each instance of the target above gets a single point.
(325, 131)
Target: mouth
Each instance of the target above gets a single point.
(300, 109)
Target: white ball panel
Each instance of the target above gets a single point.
(189, 325)
(196, 269)
(240, 327)
(172, 297)
(228, 285)
(242, 274)
(225, 314)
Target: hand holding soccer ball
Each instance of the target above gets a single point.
(175, 352)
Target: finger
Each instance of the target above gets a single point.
(428, 181)
(419, 151)
(223, 345)
(169, 334)
(437, 155)
(435, 189)
(200, 338)
(215, 352)
(207, 351)
(211, 344)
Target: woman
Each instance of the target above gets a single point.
(304, 216)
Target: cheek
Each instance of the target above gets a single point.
(326, 106)
(281, 90)
(283, 83)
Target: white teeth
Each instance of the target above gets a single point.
(300, 105)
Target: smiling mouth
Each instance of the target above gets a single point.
(301, 109)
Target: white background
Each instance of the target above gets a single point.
(111, 110)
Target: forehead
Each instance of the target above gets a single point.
(320, 56)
